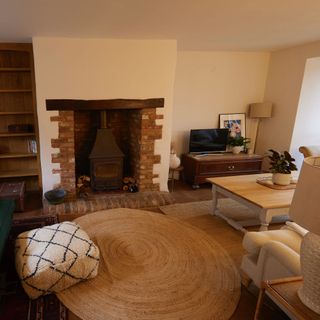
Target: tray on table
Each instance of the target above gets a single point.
(267, 181)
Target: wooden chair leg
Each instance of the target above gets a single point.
(245, 279)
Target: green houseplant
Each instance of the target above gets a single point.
(238, 143)
(281, 165)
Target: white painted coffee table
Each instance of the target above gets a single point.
(266, 202)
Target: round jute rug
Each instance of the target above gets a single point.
(153, 267)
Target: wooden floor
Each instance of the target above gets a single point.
(231, 240)
(228, 237)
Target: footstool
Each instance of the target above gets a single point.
(53, 258)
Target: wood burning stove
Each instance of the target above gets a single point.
(106, 160)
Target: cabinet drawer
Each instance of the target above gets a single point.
(230, 167)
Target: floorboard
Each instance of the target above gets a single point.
(228, 237)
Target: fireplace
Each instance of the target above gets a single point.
(133, 130)
(106, 160)
(106, 174)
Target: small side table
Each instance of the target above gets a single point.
(172, 173)
(283, 292)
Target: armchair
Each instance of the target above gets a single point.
(272, 254)
(309, 151)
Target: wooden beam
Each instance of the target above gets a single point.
(110, 104)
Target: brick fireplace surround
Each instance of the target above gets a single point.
(133, 123)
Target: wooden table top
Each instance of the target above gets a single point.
(247, 188)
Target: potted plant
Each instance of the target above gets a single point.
(238, 143)
(281, 167)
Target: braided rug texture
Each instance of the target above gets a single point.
(153, 267)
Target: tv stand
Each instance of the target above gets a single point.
(198, 167)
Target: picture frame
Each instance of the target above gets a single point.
(235, 122)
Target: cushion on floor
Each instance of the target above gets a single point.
(53, 258)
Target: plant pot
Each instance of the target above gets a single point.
(237, 149)
(174, 161)
(282, 179)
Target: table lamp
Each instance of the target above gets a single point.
(259, 111)
(305, 210)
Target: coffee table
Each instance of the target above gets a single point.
(266, 202)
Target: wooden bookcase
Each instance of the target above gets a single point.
(19, 138)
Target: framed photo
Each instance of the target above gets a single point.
(235, 122)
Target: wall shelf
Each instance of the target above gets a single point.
(14, 90)
(16, 134)
(19, 173)
(14, 113)
(17, 155)
(15, 69)
(18, 107)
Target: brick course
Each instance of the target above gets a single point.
(135, 132)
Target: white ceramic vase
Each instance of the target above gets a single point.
(282, 179)
(237, 149)
(174, 161)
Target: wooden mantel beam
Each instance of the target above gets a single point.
(110, 104)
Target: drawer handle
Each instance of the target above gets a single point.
(230, 168)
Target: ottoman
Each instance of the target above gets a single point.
(53, 258)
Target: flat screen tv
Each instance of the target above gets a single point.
(208, 140)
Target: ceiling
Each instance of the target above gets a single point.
(254, 25)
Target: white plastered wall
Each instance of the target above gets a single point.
(210, 83)
(68, 68)
(283, 88)
(307, 124)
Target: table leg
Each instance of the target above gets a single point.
(265, 219)
(214, 200)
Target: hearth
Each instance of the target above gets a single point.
(135, 129)
(106, 160)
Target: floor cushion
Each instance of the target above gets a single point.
(53, 258)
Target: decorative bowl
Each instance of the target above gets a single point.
(55, 196)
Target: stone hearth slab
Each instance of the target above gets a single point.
(101, 202)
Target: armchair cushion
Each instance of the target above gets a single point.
(253, 241)
(273, 254)
(296, 228)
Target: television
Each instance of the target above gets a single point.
(208, 140)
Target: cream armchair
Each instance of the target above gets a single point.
(272, 254)
(309, 151)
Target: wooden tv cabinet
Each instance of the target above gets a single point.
(199, 167)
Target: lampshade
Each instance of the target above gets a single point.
(305, 206)
(260, 110)
(305, 210)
